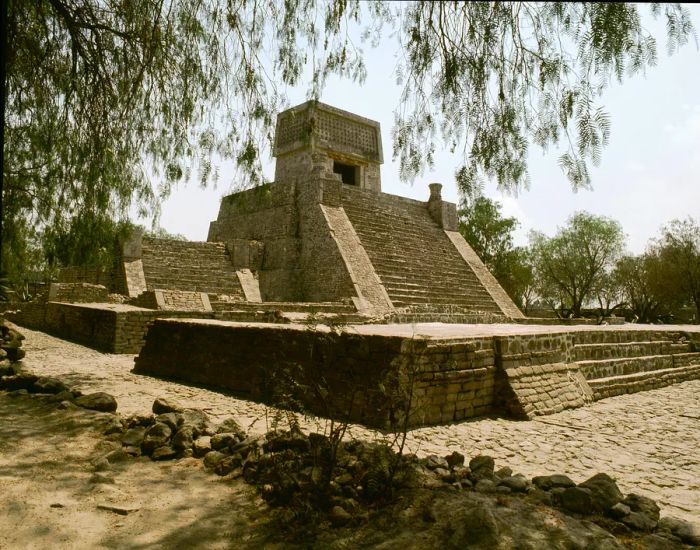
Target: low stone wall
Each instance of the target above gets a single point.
(335, 375)
(452, 380)
(113, 328)
(385, 376)
(77, 293)
(96, 275)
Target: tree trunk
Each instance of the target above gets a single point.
(3, 95)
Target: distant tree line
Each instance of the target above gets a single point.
(584, 267)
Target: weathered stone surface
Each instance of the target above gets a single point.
(228, 464)
(201, 446)
(164, 453)
(212, 458)
(99, 401)
(455, 459)
(114, 425)
(6, 369)
(116, 456)
(222, 440)
(517, 484)
(62, 396)
(15, 354)
(434, 462)
(478, 528)
(163, 406)
(133, 437)
(548, 482)
(230, 425)
(195, 418)
(638, 521)
(485, 485)
(183, 438)
(643, 505)
(577, 499)
(603, 490)
(49, 385)
(503, 472)
(619, 511)
(156, 436)
(21, 381)
(684, 530)
(481, 467)
(171, 419)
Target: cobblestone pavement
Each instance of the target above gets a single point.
(649, 441)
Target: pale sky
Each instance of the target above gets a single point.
(649, 173)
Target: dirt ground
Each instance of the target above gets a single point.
(52, 494)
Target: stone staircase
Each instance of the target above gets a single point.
(618, 362)
(416, 262)
(195, 266)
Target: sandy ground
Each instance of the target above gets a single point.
(649, 442)
(52, 497)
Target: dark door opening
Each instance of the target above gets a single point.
(347, 172)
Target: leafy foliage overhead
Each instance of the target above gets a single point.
(101, 93)
(491, 77)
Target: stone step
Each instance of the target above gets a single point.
(585, 352)
(633, 383)
(628, 336)
(470, 305)
(413, 257)
(306, 307)
(423, 270)
(193, 266)
(446, 317)
(604, 368)
(446, 294)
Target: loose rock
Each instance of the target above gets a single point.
(680, 528)
(604, 491)
(163, 406)
(99, 401)
(481, 467)
(156, 436)
(577, 499)
(49, 385)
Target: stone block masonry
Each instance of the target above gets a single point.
(381, 375)
(77, 292)
(112, 328)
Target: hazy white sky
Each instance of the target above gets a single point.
(649, 174)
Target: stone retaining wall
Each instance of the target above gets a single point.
(105, 327)
(77, 292)
(386, 378)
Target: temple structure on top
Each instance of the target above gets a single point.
(324, 232)
(324, 244)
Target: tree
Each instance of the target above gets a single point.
(491, 77)
(570, 266)
(491, 236)
(102, 93)
(679, 250)
(644, 283)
